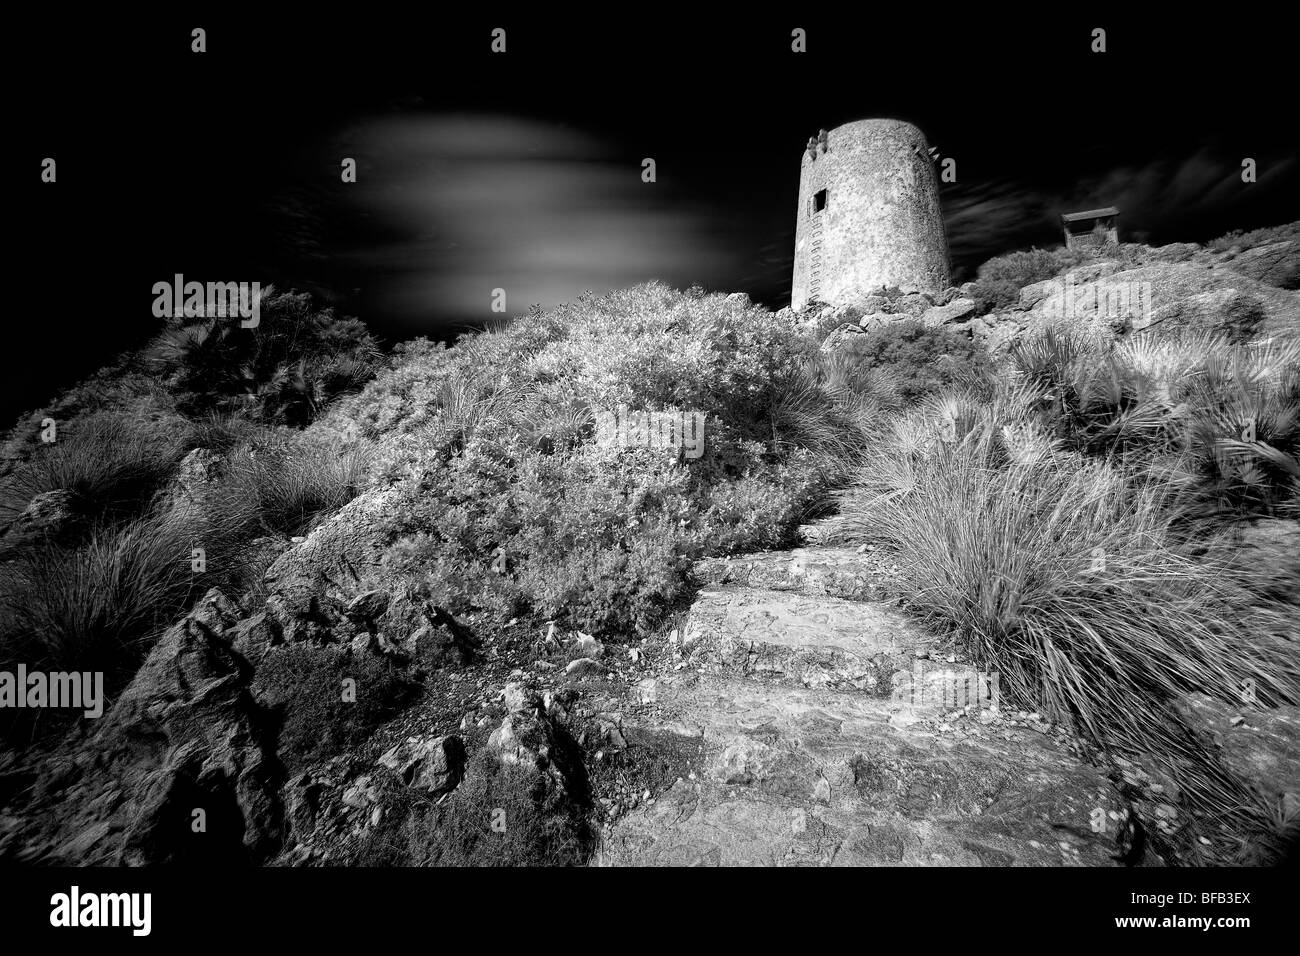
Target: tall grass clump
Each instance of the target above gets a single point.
(97, 605)
(1067, 576)
(285, 486)
(107, 464)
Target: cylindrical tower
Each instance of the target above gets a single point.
(868, 215)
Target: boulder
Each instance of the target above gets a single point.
(185, 742)
(254, 636)
(50, 512)
(1034, 293)
(361, 794)
(875, 319)
(954, 311)
(435, 765)
(838, 337)
(583, 667)
(368, 607)
(588, 646)
(349, 546)
(196, 469)
(519, 698)
(913, 304)
(1175, 252)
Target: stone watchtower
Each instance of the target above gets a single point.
(868, 215)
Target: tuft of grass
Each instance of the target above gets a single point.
(95, 606)
(1067, 577)
(287, 486)
(109, 464)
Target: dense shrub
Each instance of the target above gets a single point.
(920, 360)
(1024, 267)
(493, 443)
(282, 370)
(1255, 237)
(319, 713)
(1221, 421)
(990, 295)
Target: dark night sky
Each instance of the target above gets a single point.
(522, 171)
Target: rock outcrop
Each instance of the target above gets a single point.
(181, 769)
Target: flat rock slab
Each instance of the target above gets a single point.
(797, 776)
(809, 640)
(824, 531)
(836, 572)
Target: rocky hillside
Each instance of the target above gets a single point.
(1242, 286)
(444, 619)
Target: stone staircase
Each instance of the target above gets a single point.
(829, 735)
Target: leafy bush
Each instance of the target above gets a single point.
(990, 295)
(491, 444)
(1220, 421)
(1024, 267)
(920, 360)
(282, 370)
(320, 716)
(1255, 237)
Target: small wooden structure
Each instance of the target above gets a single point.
(1094, 227)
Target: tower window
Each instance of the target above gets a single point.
(819, 200)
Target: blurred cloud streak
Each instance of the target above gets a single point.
(460, 205)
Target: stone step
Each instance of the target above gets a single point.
(797, 776)
(835, 572)
(824, 531)
(810, 640)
